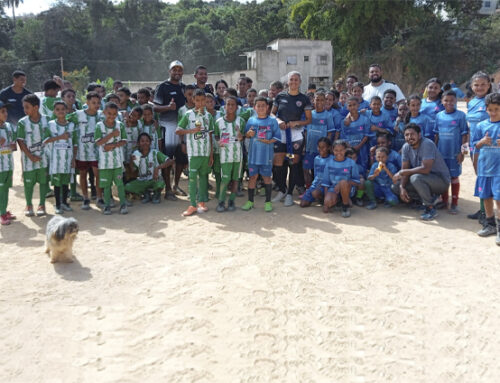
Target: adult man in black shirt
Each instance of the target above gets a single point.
(169, 98)
(201, 76)
(13, 95)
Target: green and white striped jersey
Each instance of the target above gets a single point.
(146, 164)
(154, 132)
(6, 160)
(215, 144)
(112, 159)
(132, 133)
(31, 133)
(182, 112)
(61, 151)
(85, 125)
(226, 133)
(47, 106)
(198, 144)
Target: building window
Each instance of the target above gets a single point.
(487, 4)
(323, 60)
(291, 60)
(306, 59)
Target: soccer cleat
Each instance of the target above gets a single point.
(453, 209)
(221, 207)
(40, 212)
(288, 200)
(487, 230)
(358, 201)
(101, 204)
(157, 197)
(429, 213)
(346, 211)
(248, 206)
(170, 196)
(11, 216)
(474, 215)
(86, 204)
(59, 211)
(268, 207)
(202, 208)
(107, 211)
(28, 212)
(279, 197)
(123, 209)
(371, 205)
(146, 198)
(190, 211)
(230, 206)
(66, 207)
(4, 219)
(112, 203)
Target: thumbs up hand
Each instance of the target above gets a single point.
(486, 140)
(172, 104)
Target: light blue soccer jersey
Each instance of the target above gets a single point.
(260, 153)
(321, 125)
(336, 171)
(488, 163)
(451, 127)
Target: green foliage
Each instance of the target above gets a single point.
(79, 79)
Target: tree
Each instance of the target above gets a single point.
(13, 4)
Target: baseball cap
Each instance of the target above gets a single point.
(175, 63)
(4, 105)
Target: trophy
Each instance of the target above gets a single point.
(199, 124)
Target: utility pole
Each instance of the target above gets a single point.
(62, 67)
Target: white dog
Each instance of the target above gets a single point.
(61, 232)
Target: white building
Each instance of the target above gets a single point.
(488, 7)
(312, 58)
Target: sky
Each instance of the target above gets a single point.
(37, 6)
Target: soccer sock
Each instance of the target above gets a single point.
(4, 199)
(203, 188)
(193, 186)
(73, 188)
(360, 194)
(232, 196)
(217, 183)
(455, 189)
(64, 194)
(369, 190)
(121, 191)
(281, 173)
(445, 197)
(481, 205)
(28, 193)
(294, 177)
(57, 194)
(223, 188)
(44, 188)
(251, 193)
(269, 190)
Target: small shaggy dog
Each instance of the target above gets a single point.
(61, 232)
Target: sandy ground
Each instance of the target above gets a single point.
(290, 296)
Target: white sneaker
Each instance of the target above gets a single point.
(289, 200)
(278, 197)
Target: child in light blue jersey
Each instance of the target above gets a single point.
(339, 175)
(262, 131)
(321, 125)
(344, 96)
(389, 108)
(423, 121)
(476, 112)
(379, 120)
(378, 184)
(451, 132)
(384, 140)
(431, 104)
(357, 191)
(357, 91)
(356, 131)
(316, 190)
(487, 141)
(398, 139)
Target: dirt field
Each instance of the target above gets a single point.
(290, 296)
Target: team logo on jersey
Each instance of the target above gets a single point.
(298, 103)
(87, 138)
(453, 122)
(346, 170)
(322, 121)
(36, 147)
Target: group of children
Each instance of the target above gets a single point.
(350, 154)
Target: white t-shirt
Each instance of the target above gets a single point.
(370, 91)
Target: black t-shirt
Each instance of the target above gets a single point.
(207, 89)
(16, 111)
(291, 108)
(164, 93)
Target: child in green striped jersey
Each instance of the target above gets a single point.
(133, 126)
(34, 160)
(197, 126)
(61, 138)
(109, 137)
(189, 96)
(51, 89)
(216, 114)
(86, 154)
(148, 162)
(150, 126)
(7, 145)
(229, 134)
(125, 103)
